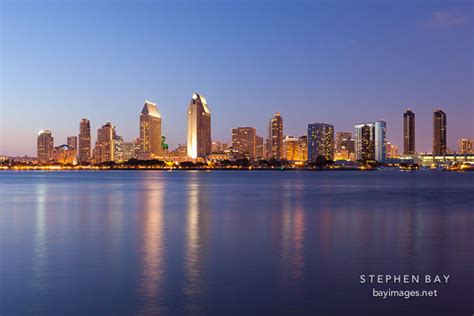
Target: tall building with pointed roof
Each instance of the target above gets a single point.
(199, 128)
(150, 131)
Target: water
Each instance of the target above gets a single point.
(232, 243)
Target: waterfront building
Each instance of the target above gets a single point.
(391, 150)
(320, 141)
(380, 140)
(370, 141)
(302, 150)
(65, 155)
(344, 146)
(409, 133)
(150, 131)
(439, 133)
(84, 150)
(72, 141)
(275, 137)
(216, 147)
(44, 146)
(105, 149)
(129, 151)
(290, 148)
(244, 141)
(118, 149)
(259, 148)
(199, 127)
(466, 146)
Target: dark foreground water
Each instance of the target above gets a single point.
(233, 243)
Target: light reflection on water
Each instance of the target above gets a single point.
(122, 243)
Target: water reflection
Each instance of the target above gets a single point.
(153, 247)
(40, 243)
(197, 233)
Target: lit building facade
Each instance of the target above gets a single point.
(84, 150)
(344, 146)
(65, 155)
(275, 137)
(216, 147)
(150, 131)
(44, 146)
(129, 151)
(370, 141)
(466, 146)
(244, 141)
(105, 148)
(199, 128)
(118, 149)
(72, 141)
(439, 133)
(391, 150)
(259, 147)
(380, 140)
(320, 141)
(290, 148)
(302, 150)
(409, 133)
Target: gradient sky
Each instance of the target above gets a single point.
(340, 62)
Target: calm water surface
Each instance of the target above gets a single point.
(232, 243)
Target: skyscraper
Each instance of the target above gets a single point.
(84, 150)
(44, 146)
(150, 131)
(290, 148)
(370, 141)
(344, 145)
(408, 132)
(259, 147)
(244, 141)
(105, 148)
(199, 128)
(275, 137)
(439, 133)
(380, 140)
(72, 142)
(320, 141)
(302, 151)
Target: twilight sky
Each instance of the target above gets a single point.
(340, 62)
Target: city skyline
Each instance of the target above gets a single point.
(333, 70)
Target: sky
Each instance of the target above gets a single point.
(340, 62)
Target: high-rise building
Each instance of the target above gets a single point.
(466, 146)
(290, 148)
(72, 141)
(84, 150)
(408, 132)
(129, 151)
(439, 133)
(380, 140)
(275, 137)
(259, 147)
(199, 127)
(105, 148)
(320, 141)
(370, 141)
(118, 149)
(302, 150)
(244, 141)
(391, 150)
(150, 131)
(44, 146)
(344, 146)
